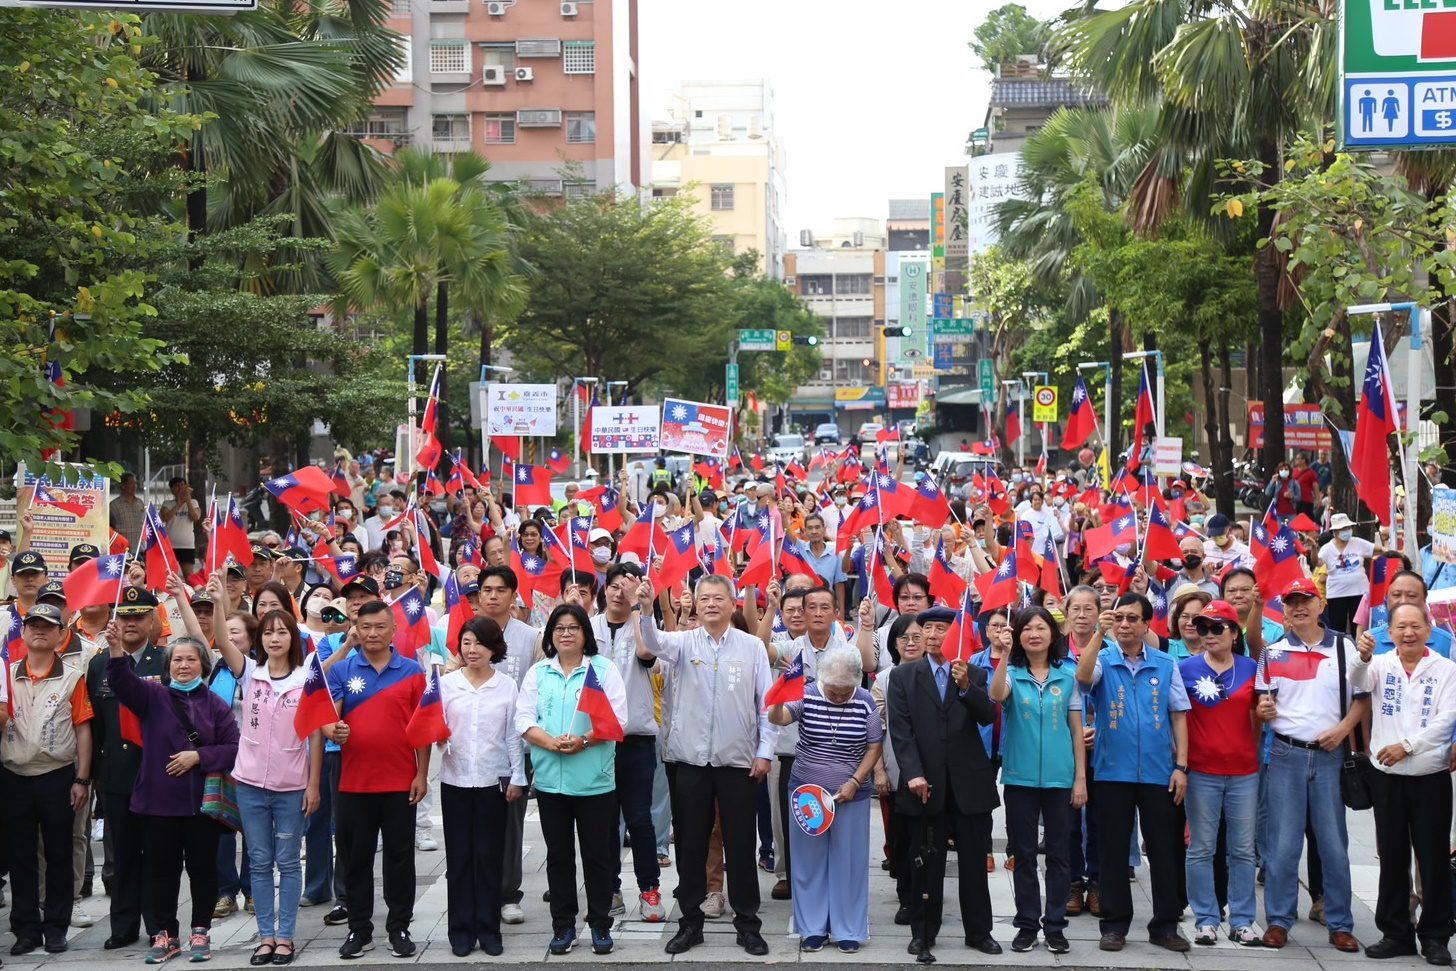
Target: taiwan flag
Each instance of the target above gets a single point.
(1102, 540)
(1282, 661)
(344, 567)
(308, 489)
(95, 582)
(532, 573)
(643, 537)
(865, 514)
(1375, 421)
(1013, 421)
(963, 639)
(460, 610)
(718, 563)
(315, 706)
(427, 725)
(232, 536)
(946, 586)
(1144, 414)
(1382, 571)
(999, 587)
(711, 470)
(594, 704)
(412, 623)
(1051, 571)
(793, 563)
(425, 551)
(930, 507)
(679, 556)
(507, 445)
(15, 649)
(1276, 557)
(1159, 598)
(790, 685)
(44, 497)
(340, 480)
(558, 461)
(609, 512)
(532, 486)
(1082, 420)
(1160, 543)
(161, 559)
(760, 568)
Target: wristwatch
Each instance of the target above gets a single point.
(585, 742)
(82, 782)
(1181, 768)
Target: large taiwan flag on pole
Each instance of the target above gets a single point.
(1374, 423)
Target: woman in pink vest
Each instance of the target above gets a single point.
(277, 775)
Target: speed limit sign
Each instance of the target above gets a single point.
(1044, 403)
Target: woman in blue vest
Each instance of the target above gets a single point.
(1043, 769)
(575, 773)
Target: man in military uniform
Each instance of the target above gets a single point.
(117, 761)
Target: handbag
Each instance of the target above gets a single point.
(219, 792)
(1354, 763)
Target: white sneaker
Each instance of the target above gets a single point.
(79, 917)
(98, 830)
(714, 905)
(513, 914)
(652, 910)
(425, 843)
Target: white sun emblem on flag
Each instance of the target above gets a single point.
(1005, 570)
(1078, 394)
(112, 567)
(531, 563)
(312, 675)
(412, 607)
(1206, 688)
(679, 412)
(1275, 654)
(1279, 544)
(356, 685)
(886, 482)
(279, 483)
(1124, 523)
(869, 499)
(523, 474)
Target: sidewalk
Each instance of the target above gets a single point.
(641, 944)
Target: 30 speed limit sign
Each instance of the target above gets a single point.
(1044, 403)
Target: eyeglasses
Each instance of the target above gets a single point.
(332, 617)
(568, 629)
(1206, 627)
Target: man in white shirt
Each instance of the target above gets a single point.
(181, 514)
(1045, 520)
(1223, 550)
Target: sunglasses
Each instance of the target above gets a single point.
(331, 616)
(1206, 627)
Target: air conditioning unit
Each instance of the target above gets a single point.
(568, 9)
(826, 375)
(494, 74)
(525, 74)
(495, 8)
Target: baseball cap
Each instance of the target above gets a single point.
(1302, 587)
(259, 550)
(28, 561)
(599, 534)
(82, 552)
(45, 614)
(367, 584)
(236, 569)
(336, 611)
(296, 553)
(1218, 524)
(136, 602)
(1221, 610)
(201, 598)
(53, 589)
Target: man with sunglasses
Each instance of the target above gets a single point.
(1140, 763)
(1223, 778)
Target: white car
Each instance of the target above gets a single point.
(787, 448)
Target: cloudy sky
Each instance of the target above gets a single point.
(873, 97)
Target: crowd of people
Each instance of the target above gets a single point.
(1134, 675)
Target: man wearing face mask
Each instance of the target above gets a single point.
(1222, 550)
(601, 548)
(1195, 570)
(709, 516)
(390, 504)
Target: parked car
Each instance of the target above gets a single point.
(953, 472)
(827, 433)
(787, 448)
(868, 431)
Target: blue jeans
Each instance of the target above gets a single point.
(273, 825)
(1305, 782)
(1234, 799)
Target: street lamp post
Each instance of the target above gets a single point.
(576, 423)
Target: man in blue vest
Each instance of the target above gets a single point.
(1140, 763)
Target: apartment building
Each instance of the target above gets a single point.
(547, 90)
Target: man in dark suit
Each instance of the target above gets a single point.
(947, 782)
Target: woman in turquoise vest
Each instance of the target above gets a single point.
(1043, 769)
(576, 780)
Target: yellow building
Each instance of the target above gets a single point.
(718, 144)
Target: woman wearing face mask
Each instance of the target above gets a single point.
(188, 732)
(1346, 579)
(1284, 490)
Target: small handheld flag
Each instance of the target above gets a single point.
(593, 703)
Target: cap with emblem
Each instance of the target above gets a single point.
(43, 613)
(202, 599)
(136, 602)
(263, 552)
(235, 569)
(366, 584)
(54, 591)
(1302, 587)
(28, 561)
(82, 552)
(1221, 610)
(295, 553)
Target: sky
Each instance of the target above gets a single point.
(873, 98)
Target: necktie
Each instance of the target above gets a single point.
(940, 681)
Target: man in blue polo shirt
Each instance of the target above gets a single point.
(1406, 587)
(1140, 762)
(381, 777)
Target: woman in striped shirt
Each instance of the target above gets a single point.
(839, 744)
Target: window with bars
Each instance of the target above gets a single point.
(449, 57)
(450, 128)
(538, 47)
(816, 285)
(581, 127)
(854, 370)
(579, 57)
(851, 328)
(580, 190)
(854, 284)
(500, 128)
(721, 198)
(399, 8)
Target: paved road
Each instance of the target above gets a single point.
(641, 944)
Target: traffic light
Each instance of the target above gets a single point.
(811, 340)
(897, 331)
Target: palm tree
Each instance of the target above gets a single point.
(1230, 79)
(434, 228)
(1077, 148)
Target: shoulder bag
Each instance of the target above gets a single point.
(219, 792)
(1354, 761)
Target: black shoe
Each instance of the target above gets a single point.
(1437, 953)
(986, 945)
(400, 944)
(685, 939)
(56, 945)
(925, 957)
(462, 950)
(1389, 947)
(1056, 942)
(492, 947)
(118, 941)
(885, 865)
(337, 917)
(24, 945)
(1024, 940)
(753, 943)
(1177, 942)
(355, 945)
(915, 946)
(1112, 941)
(902, 916)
